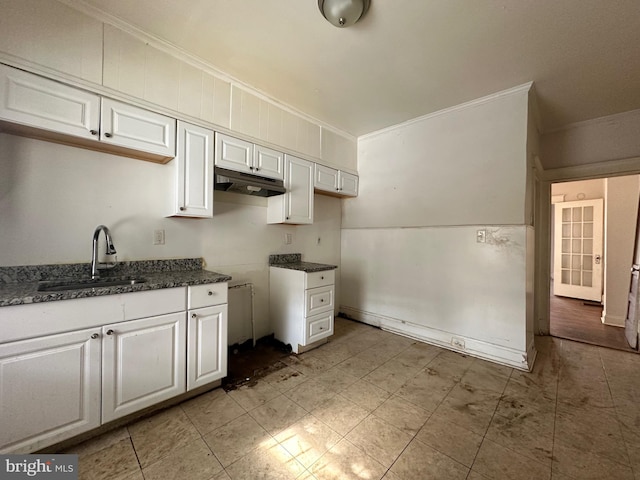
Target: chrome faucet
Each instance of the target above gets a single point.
(94, 254)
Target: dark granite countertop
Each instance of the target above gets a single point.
(293, 261)
(19, 285)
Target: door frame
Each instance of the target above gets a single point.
(542, 220)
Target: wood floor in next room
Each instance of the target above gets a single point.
(371, 405)
(575, 319)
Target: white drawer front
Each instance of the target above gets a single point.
(318, 327)
(206, 295)
(319, 279)
(319, 300)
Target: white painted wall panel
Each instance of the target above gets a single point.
(463, 167)
(57, 37)
(440, 278)
(339, 151)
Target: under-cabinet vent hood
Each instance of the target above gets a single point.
(246, 183)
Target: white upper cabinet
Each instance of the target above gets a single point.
(233, 153)
(51, 35)
(33, 101)
(268, 162)
(335, 182)
(242, 156)
(136, 128)
(194, 172)
(326, 178)
(347, 184)
(296, 205)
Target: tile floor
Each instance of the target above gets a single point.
(371, 405)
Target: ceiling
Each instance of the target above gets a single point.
(408, 58)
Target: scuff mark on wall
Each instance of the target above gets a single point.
(497, 237)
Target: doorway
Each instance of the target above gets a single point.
(591, 258)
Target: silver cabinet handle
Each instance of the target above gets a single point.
(93, 132)
(110, 332)
(94, 336)
(108, 135)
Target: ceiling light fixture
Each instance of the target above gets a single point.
(343, 13)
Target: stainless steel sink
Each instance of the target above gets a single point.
(76, 284)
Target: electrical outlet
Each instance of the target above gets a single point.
(481, 236)
(288, 238)
(457, 342)
(158, 237)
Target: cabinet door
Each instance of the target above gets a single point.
(325, 178)
(49, 389)
(136, 128)
(348, 184)
(194, 164)
(298, 180)
(207, 345)
(268, 163)
(143, 363)
(233, 153)
(37, 102)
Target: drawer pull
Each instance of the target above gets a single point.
(194, 315)
(108, 135)
(94, 336)
(321, 278)
(209, 292)
(110, 332)
(321, 300)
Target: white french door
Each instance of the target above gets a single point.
(578, 249)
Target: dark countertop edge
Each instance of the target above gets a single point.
(26, 293)
(308, 267)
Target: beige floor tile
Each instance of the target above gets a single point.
(427, 389)
(421, 461)
(390, 376)
(211, 410)
(232, 441)
(285, 379)
(519, 400)
(454, 441)
(418, 355)
(99, 443)
(336, 379)
(476, 476)
(310, 394)
(277, 414)
(308, 439)
(157, 436)
(402, 414)
(450, 364)
(308, 364)
(592, 430)
(193, 461)
(268, 462)
(529, 435)
(585, 465)
(345, 461)
(379, 439)
(115, 462)
(223, 475)
(254, 394)
(358, 366)
(469, 408)
(365, 394)
(496, 461)
(340, 414)
(487, 376)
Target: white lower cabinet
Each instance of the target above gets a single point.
(301, 306)
(81, 371)
(49, 389)
(143, 363)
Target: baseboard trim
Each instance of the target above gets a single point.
(519, 359)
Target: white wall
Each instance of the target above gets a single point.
(621, 217)
(410, 260)
(603, 139)
(53, 196)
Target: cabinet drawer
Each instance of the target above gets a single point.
(318, 327)
(205, 295)
(319, 279)
(318, 300)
